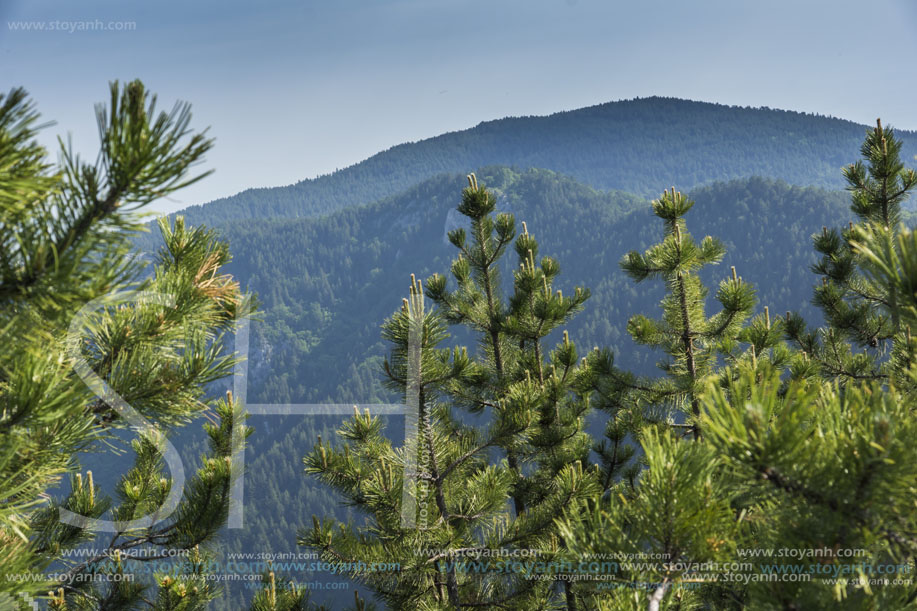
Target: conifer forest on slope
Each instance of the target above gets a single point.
(751, 385)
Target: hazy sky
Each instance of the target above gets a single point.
(294, 89)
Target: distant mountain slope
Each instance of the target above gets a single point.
(328, 283)
(639, 146)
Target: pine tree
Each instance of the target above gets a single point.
(665, 505)
(692, 340)
(825, 462)
(862, 315)
(828, 468)
(890, 261)
(92, 345)
(784, 462)
(468, 504)
(278, 594)
(800, 466)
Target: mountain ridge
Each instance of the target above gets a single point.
(638, 146)
(316, 269)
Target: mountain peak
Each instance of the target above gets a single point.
(639, 145)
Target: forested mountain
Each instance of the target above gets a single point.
(635, 146)
(328, 283)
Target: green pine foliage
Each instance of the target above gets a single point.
(93, 345)
(862, 314)
(279, 594)
(692, 340)
(786, 462)
(783, 463)
(833, 470)
(462, 501)
(889, 261)
(805, 466)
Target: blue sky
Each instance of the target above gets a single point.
(294, 89)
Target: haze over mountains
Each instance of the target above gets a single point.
(328, 283)
(639, 146)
